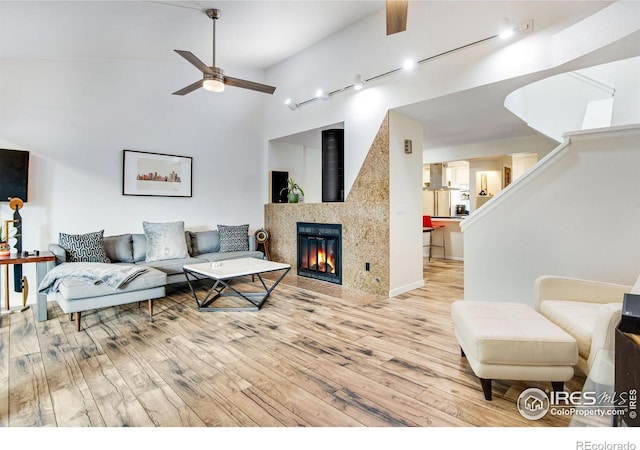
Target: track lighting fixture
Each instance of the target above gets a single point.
(358, 83)
(291, 104)
(507, 29)
(322, 94)
(409, 64)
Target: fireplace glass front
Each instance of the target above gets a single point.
(320, 251)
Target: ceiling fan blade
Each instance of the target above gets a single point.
(190, 88)
(237, 82)
(396, 16)
(193, 59)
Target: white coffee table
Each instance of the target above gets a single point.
(225, 274)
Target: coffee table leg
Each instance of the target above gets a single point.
(255, 298)
(273, 286)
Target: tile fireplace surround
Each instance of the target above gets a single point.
(364, 216)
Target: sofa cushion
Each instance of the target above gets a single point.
(119, 248)
(234, 238)
(204, 242)
(171, 266)
(187, 239)
(139, 242)
(221, 256)
(576, 318)
(87, 247)
(165, 241)
(75, 289)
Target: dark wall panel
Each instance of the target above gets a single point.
(333, 166)
(14, 174)
(278, 182)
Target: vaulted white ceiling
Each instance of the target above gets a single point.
(251, 34)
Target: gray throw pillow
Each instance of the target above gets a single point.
(139, 241)
(165, 241)
(87, 247)
(234, 238)
(205, 242)
(119, 248)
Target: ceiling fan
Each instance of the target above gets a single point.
(396, 16)
(213, 79)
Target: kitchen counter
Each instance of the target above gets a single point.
(443, 218)
(452, 235)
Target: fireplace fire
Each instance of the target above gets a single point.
(320, 251)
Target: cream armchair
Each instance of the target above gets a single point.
(587, 310)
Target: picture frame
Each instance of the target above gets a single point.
(506, 176)
(156, 174)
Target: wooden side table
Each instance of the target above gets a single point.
(42, 266)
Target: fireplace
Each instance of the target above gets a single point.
(320, 251)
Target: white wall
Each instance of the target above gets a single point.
(76, 117)
(405, 197)
(574, 214)
(304, 165)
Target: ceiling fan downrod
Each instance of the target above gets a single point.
(214, 14)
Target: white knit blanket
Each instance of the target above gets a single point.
(115, 276)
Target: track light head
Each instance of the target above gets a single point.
(322, 94)
(291, 104)
(507, 29)
(358, 82)
(409, 64)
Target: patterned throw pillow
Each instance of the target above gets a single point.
(84, 247)
(165, 241)
(234, 238)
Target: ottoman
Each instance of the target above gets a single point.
(511, 341)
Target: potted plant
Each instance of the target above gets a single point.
(293, 190)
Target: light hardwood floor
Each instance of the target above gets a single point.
(315, 355)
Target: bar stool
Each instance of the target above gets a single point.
(430, 227)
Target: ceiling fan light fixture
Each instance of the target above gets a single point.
(213, 82)
(213, 85)
(212, 78)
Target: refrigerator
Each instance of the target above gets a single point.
(437, 203)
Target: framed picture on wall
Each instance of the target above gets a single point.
(506, 176)
(156, 174)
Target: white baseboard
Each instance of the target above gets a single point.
(452, 258)
(406, 288)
